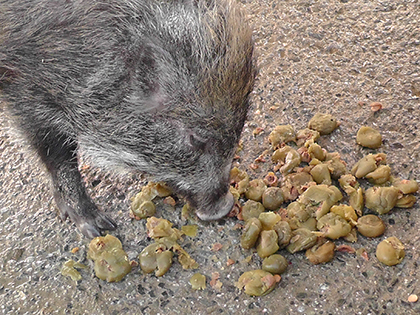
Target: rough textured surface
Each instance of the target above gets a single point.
(335, 56)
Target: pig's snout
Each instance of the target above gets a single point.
(218, 209)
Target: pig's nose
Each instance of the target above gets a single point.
(218, 210)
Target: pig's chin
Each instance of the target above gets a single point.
(217, 210)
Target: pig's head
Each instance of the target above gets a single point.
(198, 162)
(197, 166)
(187, 101)
(204, 112)
(196, 139)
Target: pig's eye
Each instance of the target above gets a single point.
(196, 142)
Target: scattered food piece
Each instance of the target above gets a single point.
(282, 134)
(240, 179)
(69, 270)
(321, 253)
(284, 233)
(142, 210)
(111, 261)
(216, 247)
(190, 230)
(157, 228)
(275, 264)
(368, 164)
(406, 186)
(169, 201)
(369, 137)
(302, 239)
(251, 209)
(406, 201)
(272, 198)
(186, 261)
(253, 166)
(256, 188)
(362, 253)
(186, 211)
(323, 123)
(381, 199)
(333, 226)
(306, 136)
(271, 179)
(351, 237)
(257, 131)
(214, 278)
(159, 255)
(251, 233)
(257, 282)
(390, 251)
(267, 243)
(345, 249)
(142, 206)
(357, 201)
(348, 183)
(286, 158)
(370, 225)
(134, 263)
(321, 174)
(74, 250)
(320, 198)
(346, 212)
(198, 281)
(380, 176)
(269, 219)
(156, 257)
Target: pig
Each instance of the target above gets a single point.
(157, 86)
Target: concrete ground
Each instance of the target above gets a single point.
(314, 56)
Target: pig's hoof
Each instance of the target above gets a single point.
(218, 210)
(86, 216)
(92, 228)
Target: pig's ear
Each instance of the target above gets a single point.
(194, 141)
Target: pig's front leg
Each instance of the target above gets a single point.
(58, 154)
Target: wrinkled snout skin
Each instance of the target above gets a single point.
(215, 202)
(155, 86)
(217, 209)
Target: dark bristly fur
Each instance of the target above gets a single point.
(160, 86)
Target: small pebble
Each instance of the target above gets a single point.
(375, 106)
(413, 298)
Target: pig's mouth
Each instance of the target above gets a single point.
(216, 209)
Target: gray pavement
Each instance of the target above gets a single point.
(314, 56)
